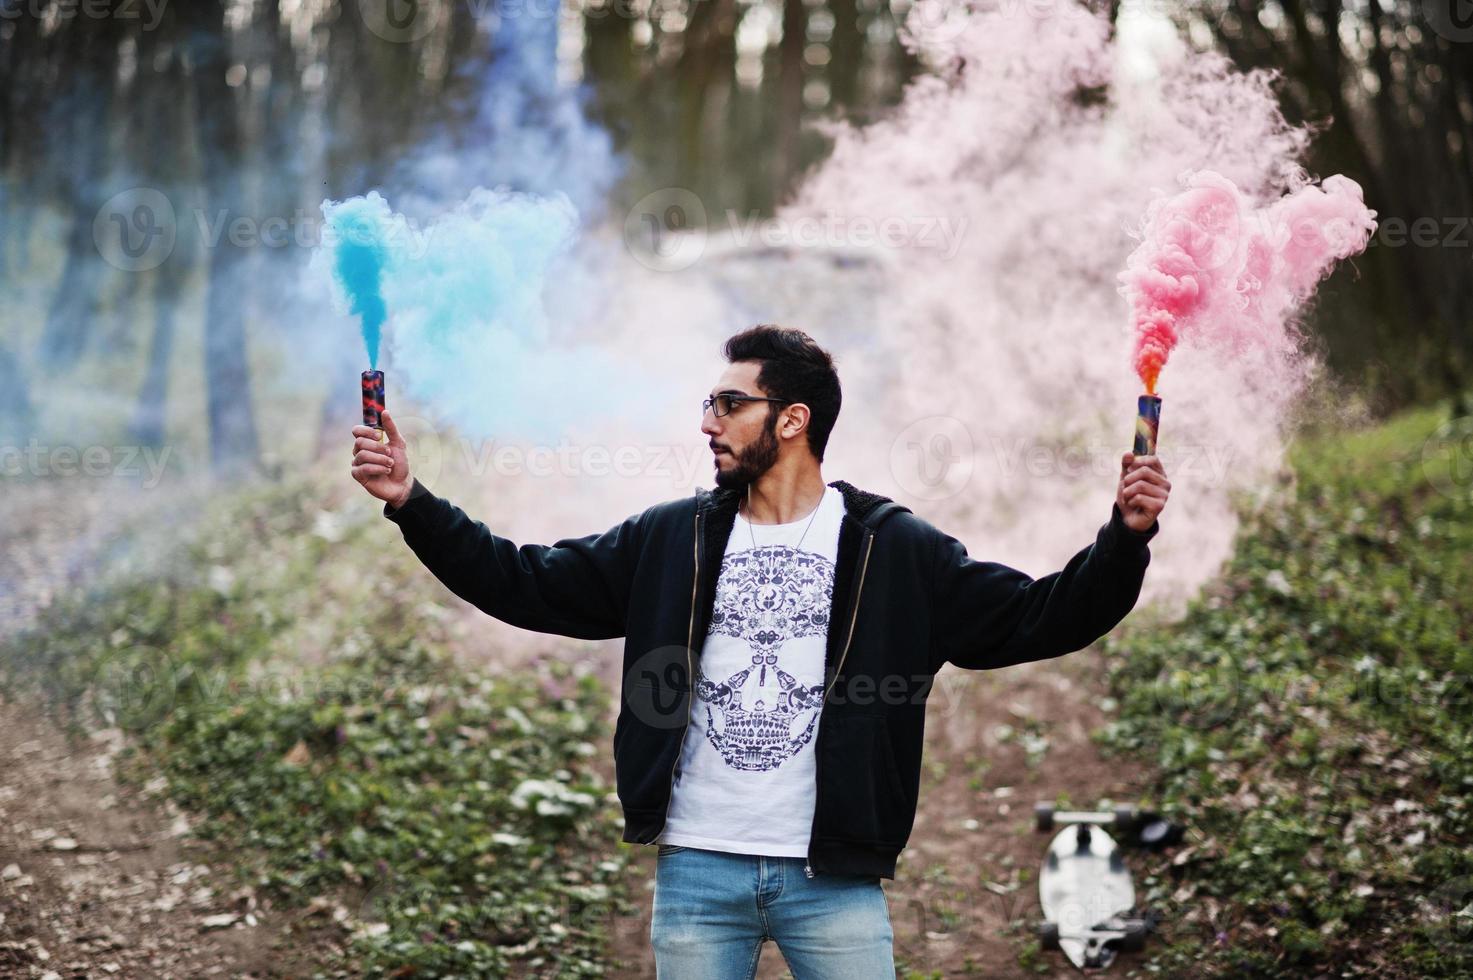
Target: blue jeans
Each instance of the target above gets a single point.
(713, 910)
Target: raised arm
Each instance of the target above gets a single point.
(989, 615)
(573, 587)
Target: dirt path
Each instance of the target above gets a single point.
(134, 898)
(957, 904)
(94, 880)
(101, 882)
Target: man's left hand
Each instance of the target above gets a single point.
(1143, 490)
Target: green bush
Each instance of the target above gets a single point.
(289, 688)
(1310, 721)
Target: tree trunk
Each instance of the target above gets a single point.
(848, 50)
(233, 442)
(79, 117)
(706, 68)
(151, 416)
(790, 95)
(15, 399)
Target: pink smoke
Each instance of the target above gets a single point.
(1213, 266)
(975, 355)
(1045, 133)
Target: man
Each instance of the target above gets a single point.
(780, 782)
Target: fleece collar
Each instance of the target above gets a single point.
(720, 503)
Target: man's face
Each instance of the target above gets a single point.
(743, 444)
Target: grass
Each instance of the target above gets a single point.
(1309, 719)
(312, 724)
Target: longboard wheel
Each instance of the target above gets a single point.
(1135, 935)
(1043, 817)
(1125, 817)
(1161, 833)
(1048, 935)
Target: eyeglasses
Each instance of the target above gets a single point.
(723, 404)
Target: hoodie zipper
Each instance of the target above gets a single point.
(869, 542)
(690, 633)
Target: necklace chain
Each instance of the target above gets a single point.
(805, 527)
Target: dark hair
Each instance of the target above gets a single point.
(795, 369)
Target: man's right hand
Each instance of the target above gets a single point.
(383, 469)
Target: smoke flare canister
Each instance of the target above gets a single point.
(373, 398)
(1147, 421)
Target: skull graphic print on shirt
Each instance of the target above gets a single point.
(760, 715)
(745, 778)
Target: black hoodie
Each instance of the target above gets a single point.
(906, 600)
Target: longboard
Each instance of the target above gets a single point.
(1139, 828)
(1087, 897)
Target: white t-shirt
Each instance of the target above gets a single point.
(745, 780)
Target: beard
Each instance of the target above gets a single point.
(751, 463)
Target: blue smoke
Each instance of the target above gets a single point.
(523, 129)
(498, 193)
(357, 234)
(470, 336)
